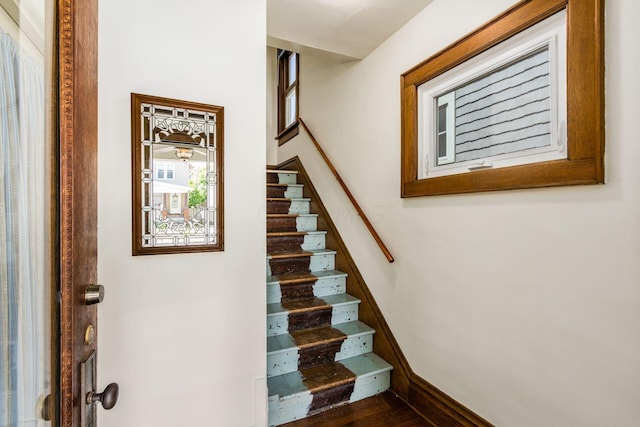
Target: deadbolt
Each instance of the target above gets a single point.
(93, 294)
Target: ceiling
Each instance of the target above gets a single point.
(342, 29)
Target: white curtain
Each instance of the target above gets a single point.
(23, 227)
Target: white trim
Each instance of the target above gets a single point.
(450, 100)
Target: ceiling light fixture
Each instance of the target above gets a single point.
(183, 153)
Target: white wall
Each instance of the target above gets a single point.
(522, 305)
(272, 106)
(184, 335)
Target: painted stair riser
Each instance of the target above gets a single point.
(296, 291)
(322, 287)
(281, 178)
(307, 242)
(307, 222)
(288, 206)
(287, 408)
(278, 323)
(317, 262)
(286, 361)
(291, 191)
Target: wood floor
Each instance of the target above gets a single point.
(384, 410)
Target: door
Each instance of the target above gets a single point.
(27, 255)
(48, 214)
(78, 289)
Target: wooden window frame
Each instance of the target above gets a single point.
(585, 103)
(285, 133)
(140, 197)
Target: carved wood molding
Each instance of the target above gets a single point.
(65, 25)
(76, 47)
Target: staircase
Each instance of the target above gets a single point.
(319, 355)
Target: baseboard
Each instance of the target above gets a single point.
(434, 405)
(439, 408)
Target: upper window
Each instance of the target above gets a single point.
(506, 107)
(518, 103)
(287, 95)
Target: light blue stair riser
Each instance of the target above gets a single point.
(293, 191)
(287, 178)
(299, 206)
(307, 222)
(314, 240)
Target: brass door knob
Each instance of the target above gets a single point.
(108, 398)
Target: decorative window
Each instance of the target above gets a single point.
(287, 95)
(177, 175)
(501, 109)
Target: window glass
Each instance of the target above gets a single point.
(291, 108)
(292, 69)
(287, 95)
(503, 109)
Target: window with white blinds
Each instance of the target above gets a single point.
(504, 108)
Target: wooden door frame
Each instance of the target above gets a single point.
(77, 54)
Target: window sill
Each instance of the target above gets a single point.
(288, 133)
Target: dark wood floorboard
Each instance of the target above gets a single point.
(383, 410)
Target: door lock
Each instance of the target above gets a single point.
(93, 294)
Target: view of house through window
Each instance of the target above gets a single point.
(507, 107)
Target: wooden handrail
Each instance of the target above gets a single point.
(355, 204)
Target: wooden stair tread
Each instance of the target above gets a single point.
(294, 215)
(293, 278)
(289, 254)
(278, 308)
(291, 233)
(284, 199)
(299, 253)
(281, 171)
(326, 376)
(303, 277)
(274, 184)
(311, 337)
(304, 305)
